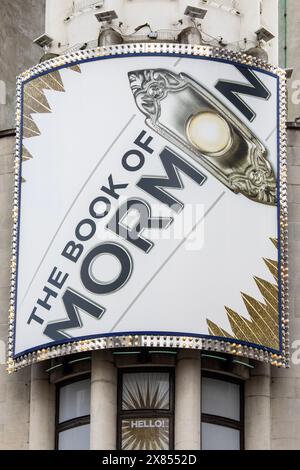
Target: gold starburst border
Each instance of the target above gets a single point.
(263, 326)
(168, 341)
(35, 102)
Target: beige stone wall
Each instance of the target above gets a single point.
(292, 56)
(285, 384)
(14, 389)
(21, 21)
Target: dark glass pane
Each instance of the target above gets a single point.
(75, 439)
(221, 398)
(74, 400)
(215, 437)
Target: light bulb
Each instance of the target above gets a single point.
(209, 133)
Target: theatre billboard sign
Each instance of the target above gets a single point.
(150, 205)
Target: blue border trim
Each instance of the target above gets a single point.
(151, 333)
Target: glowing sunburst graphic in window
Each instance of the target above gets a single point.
(145, 434)
(145, 391)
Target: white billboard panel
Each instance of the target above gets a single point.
(149, 190)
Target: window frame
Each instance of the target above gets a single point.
(221, 420)
(70, 423)
(146, 413)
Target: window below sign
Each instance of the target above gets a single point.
(145, 410)
(222, 413)
(73, 415)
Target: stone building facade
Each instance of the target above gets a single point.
(74, 402)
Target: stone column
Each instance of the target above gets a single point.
(258, 409)
(42, 410)
(103, 402)
(188, 401)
